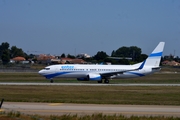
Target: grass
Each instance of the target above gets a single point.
(35, 77)
(142, 95)
(149, 95)
(18, 116)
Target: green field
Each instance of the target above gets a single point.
(19, 116)
(131, 95)
(92, 94)
(141, 95)
(35, 77)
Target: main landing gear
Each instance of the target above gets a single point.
(51, 80)
(105, 81)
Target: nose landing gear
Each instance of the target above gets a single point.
(106, 81)
(51, 80)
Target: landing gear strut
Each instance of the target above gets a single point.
(51, 80)
(106, 81)
(100, 81)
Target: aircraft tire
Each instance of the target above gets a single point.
(51, 81)
(106, 81)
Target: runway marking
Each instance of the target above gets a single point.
(55, 104)
(1, 110)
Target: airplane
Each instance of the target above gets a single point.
(102, 73)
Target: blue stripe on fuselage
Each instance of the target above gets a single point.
(49, 76)
(142, 65)
(134, 73)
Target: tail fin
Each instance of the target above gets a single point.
(154, 58)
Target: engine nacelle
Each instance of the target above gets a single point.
(95, 77)
(83, 79)
(91, 76)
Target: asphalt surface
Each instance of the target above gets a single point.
(88, 109)
(88, 84)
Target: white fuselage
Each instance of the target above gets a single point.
(81, 71)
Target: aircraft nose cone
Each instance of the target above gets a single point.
(40, 72)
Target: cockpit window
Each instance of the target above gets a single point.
(47, 68)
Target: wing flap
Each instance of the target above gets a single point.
(109, 74)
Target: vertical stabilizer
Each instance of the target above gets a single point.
(154, 58)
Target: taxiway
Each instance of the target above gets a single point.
(84, 109)
(86, 84)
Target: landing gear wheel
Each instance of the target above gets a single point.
(51, 81)
(100, 81)
(106, 81)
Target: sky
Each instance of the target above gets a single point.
(88, 26)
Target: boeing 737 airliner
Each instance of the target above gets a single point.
(105, 72)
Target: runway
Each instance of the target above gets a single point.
(85, 109)
(86, 84)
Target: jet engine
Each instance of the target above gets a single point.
(91, 76)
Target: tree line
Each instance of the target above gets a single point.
(7, 53)
(117, 56)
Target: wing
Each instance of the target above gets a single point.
(134, 67)
(109, 74)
